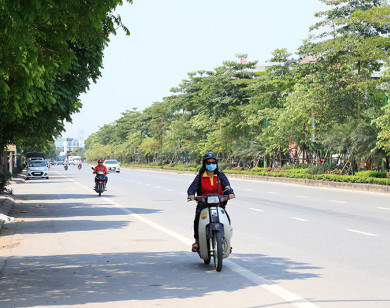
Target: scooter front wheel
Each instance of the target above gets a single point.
(217, 251)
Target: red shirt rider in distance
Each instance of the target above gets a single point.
(101, 167)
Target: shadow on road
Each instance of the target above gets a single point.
(42, 197)
(99, 278)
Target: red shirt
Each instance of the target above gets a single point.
(98, 168)
(210, 185)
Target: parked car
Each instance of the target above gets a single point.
(37, 169)
(112, 165)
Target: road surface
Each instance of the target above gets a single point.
(293, 246)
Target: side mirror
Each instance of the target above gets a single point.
(227, 188)
(92, 168)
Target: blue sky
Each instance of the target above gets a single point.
(173, 37)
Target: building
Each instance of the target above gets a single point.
(68, 145)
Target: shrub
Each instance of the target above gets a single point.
(223, 166)
(4, 178)
(320, 169)
(370, 174)
(257, 169)
(297, 166)
(279, 169)
(156, 163)
(193, 165)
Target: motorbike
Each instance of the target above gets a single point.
(66, 167)
(215, 231)
(100, 179)
(79, 166)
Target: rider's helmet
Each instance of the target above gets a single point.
(100, 161)
(207, 156)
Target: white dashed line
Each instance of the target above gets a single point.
(361, 232)
(337, 201)
(302, 197)
(247, 189)
(273, 193)
(253, 209)
(384, 208)
(297, 218)
(261, 282)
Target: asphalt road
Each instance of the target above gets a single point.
(293, 246)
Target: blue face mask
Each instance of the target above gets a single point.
(211, 167)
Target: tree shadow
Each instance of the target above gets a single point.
(275, 268)
(62, 226)
(72, 209)
(42, 197)
(111, 277)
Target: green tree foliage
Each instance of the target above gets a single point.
(326, 101)
(50, 50)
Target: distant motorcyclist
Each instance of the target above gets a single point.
(101, 167)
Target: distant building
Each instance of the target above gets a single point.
(68, 145)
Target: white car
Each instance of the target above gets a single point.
(112, 165)
(37, 169)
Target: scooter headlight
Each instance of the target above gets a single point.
(213, 199)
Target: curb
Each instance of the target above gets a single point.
(6, 203)
(304, 182)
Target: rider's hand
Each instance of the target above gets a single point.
(191, 197)
(231, 196)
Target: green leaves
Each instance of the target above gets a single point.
(50, 52)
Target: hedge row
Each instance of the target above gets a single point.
(368, 177)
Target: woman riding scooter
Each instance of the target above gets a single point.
(209, 180)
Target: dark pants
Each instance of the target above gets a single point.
(199, 209)
(105, 182)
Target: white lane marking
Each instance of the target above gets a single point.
(169, 189)
(247, 189)
(337, 201)
(288, 296)
(384, 208)
(268, 285)
(361, 232)
(253, 209)
(273, 193)
(297, 218)
(302, 197)
(295, 299)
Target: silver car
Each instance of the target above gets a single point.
(37, 169)
(112, 165)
